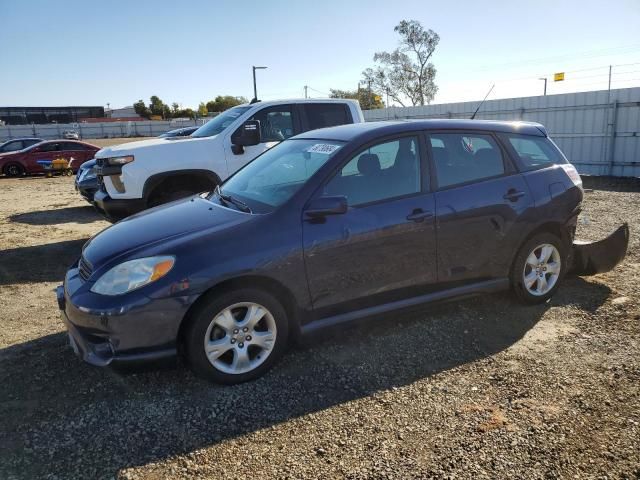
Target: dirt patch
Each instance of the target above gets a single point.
(481, 388)
(107, 142)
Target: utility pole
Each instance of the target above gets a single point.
(610, 68)
(545, 85)
(255, 89)
(305, 91)
(369, 99)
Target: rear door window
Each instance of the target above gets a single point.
(72, 146)
(465, 157)
(535, 152)
(321, 115)
(50, 147)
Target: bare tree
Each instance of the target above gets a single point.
(407, 73)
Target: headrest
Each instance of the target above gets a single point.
(368, 164)
(440, 155)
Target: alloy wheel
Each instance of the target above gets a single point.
(240, 338)
(542, 269)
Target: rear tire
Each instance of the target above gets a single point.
(539, 268)
(236, 335)
(14, 170)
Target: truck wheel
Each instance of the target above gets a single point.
(236, 336)
(539, 268)
(14, 170)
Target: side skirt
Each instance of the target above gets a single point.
(487, 286)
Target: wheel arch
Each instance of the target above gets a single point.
(268, 284)
(556, 228)
(200, 175)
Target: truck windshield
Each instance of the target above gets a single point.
(217, 124)
(273, 177)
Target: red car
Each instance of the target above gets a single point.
(18, 163)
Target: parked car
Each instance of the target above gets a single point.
(179, 132)
(87, 180)
(26, 161)
(17, 144)
(139, 175)
(327, 227)
(71, 135)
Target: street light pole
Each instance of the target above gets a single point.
(255, 89)
(545, 84)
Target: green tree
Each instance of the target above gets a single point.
(202, 110)
(157, 107)
(224, 102)
(174, 107)
(368, 101)
(141, 109)
(407, 73)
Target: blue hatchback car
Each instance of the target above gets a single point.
(327, 227)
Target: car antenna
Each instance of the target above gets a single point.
(485, 97)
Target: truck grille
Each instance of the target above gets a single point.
(84, 269)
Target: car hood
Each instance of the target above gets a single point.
(10, 154)
(151, 145)
(134, 235)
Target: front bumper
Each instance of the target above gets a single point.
(107, 331)
(116, 209)
(87, 189)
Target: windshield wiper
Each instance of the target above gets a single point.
(229, 199)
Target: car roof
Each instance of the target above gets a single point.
(391, 127)
(301, 100)
(68, 140)
(19, 139)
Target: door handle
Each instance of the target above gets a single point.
(513, 195)
(418, 215)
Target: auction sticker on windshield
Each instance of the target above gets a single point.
(325, 148)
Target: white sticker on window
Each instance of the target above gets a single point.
(325, 148)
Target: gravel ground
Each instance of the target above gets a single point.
(480, 388)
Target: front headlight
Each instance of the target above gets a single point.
(113, 161)
(133, 274)
(90, 173)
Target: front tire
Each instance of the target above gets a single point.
(14, 170)
(236, 336)
(539, 268)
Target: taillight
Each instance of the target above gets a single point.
(573, 174)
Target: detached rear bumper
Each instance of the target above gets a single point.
(601, 256)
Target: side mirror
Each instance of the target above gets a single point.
(248, 134)
(323, 206)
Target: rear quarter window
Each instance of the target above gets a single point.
(535, 152)
(321, 115)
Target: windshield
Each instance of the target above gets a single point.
(273, 177)
(217, 124)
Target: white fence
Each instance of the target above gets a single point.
(87, 131)
(598, 131)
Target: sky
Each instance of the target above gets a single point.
(115, 52)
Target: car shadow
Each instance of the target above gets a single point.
(59, 416)
(38, 263)
(55, 216)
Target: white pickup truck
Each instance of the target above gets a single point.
(139, 175)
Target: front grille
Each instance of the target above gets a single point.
(84, 269)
